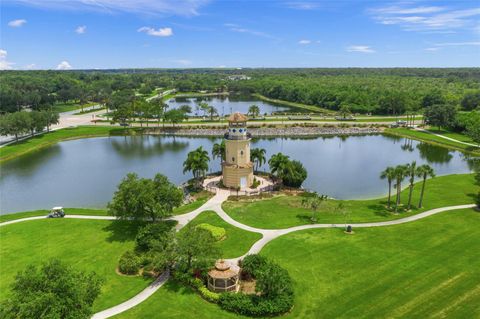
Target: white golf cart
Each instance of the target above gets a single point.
(56, 212)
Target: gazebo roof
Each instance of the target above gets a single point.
(237, 117)
(223, 270)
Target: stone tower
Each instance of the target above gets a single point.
(237, 168)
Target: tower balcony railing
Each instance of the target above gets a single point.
(228, 136)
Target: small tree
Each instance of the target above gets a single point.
(389, 175)
(314, 201)
(197, 163)
(174, 116)
(56, 290)
(440, 115)
(196, 248)
(341, 209)
(142, 198)
(411, 172)
(400, 172)
(424, 171)
(254, 110)
(257, 156)
(293, 174)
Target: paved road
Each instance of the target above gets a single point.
(215, 204)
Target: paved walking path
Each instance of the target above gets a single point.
(446, 137)
(215, 204)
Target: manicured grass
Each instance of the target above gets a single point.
(311, 108)
(237, 241)
(175, 301)
(89, 245)
(424, 269)
(44, 212)
(287, 211)
(432, 139)
(454, 135)
(200, 199)
(40, 141)
(66, 107)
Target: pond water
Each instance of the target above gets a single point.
(84, 173)
(226, 104)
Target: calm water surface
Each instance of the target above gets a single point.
(84, 173)
(226, 104)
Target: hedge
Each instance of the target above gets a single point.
(218, 233)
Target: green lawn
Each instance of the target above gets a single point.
(89, 245)
(44, 212)
(200, 199)
(425, 269)
(70, 106)
(44, 140)
(432, 139)
(287, 211)
(237, 241)
(456, 136)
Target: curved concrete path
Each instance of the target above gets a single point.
(215, 204)
(446, 137)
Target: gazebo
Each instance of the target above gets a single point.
(224, 277)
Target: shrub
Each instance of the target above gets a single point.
(293, 174)
(273, 283)
(129, 263)
(218, 233)
(150, 235)
(255, 183)
(209, 295)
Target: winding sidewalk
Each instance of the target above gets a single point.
(447, 138)
(215, 204)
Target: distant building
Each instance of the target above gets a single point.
(238, 77)
(237, 168)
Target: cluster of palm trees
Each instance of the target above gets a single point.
(257, 155)
(396, 175)
(197, 163)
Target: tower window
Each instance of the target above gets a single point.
(233, 159)
(241, 152)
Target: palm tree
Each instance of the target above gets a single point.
(212, 111)
(424, 171)
(197, 163)
(254, 110)
(313, 202)
(218, 151)
(257, 156)
(411, 172)
(400, 172)
(389, 174)
(277, 163)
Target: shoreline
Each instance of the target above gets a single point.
(270, 131)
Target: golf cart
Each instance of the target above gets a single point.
(56, 212)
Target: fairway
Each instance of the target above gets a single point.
(287, 211)
(88, 245)
(388, 272)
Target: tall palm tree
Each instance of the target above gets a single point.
(254, 110)
(389, 174)
(411, 173)
(424, 171)
(212, 111)
(400, 172)
(218, 151)
(197, 163)
(257, 156)
(277, 163)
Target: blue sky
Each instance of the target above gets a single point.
(78, 34)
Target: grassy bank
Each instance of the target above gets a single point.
(67, 107)
(311, 108)
(89, 245)
(287, 211)
(32, 144)
(432, 139)
(44, 212)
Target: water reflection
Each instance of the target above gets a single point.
(84, 173)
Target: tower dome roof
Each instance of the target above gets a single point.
(237, 117)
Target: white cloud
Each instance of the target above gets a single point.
(17, 23)
(64, 65)
(30, 66)
(81, 29)
(183, 62)
(304, 42)
(236, 28)
(4, 64)
(433, 49)
(427, 18)
(360, 48)
(161, 32)
(149, 7)
(302, 5)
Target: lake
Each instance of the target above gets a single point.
(226, 104)
(84, 173)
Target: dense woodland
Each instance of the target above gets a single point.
(377, 91)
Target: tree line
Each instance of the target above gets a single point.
(21, 123)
